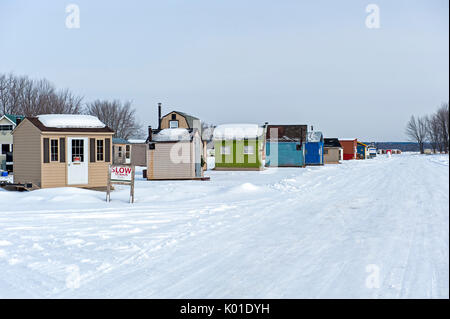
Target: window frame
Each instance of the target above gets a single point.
(247, 148)
(127, 151)
(97, 140)
(225, 147)
(50, 149)
(174, 121)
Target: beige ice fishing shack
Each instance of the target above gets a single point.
(61, 150)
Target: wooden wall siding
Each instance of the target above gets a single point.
(98, 174)
(27, 154)
(349, 148)
(139, 154)
(162, 167)
(150, 168)
(333, 155)
(54, 174)
(182, 123)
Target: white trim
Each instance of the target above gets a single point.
(4, 116)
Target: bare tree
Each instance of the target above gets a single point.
(416, 130)
(442, 119)
(120, 117)
(21, 95)
(433, 133)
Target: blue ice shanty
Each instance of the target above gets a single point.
(314, 148)
(285, 145)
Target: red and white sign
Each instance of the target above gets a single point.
(121, 173)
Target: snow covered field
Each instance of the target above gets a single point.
(363, 229)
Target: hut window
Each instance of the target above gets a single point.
(173, 124)
(249, 149)
(127, 151)
(78, 149)
(225, 150)
(100, 150)
(6, 127)
(119, 153)
(54, 150)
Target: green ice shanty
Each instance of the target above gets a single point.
(239, 147)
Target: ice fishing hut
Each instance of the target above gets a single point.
(361, 150)
(372, 150)
(8, 123)
(349, 146)
(121, 151)
(314, 148)
(174, 153)
(138, 152)
(333, 152)
(61, 150)
(177, 119)
(285, 145)
(239, 147)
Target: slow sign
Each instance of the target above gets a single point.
(120, 174)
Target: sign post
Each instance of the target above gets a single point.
(122, 175)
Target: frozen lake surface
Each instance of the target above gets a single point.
(363, 229)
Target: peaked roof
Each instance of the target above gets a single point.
(13, 118)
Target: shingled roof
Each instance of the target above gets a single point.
(35, 121)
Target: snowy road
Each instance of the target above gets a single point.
(363, 229)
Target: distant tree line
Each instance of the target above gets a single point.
(21, 95)
(434, 129)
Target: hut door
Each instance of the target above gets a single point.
(77, 163)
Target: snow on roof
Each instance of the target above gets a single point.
(237, 131)
(315, 136)
(136, 141)
(172, 134)
(70, 121)
(348, 139)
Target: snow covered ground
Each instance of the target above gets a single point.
(363, 229)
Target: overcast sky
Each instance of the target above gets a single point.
(230, 61)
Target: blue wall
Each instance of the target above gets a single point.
(360, 149)
(314, 153)
(288, 155)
